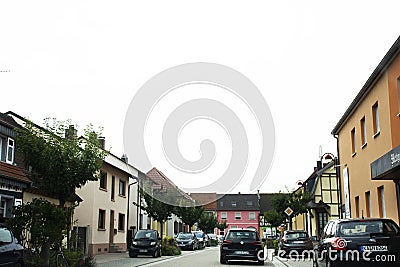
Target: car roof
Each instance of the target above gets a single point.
(243, 229)
(361, 220)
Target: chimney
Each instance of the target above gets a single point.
(319, 165)
(102, 142)
(124, 158)
(71, 132)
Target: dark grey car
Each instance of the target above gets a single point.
(11, 253)
(145, 242)
(359, 242)
(295, 240)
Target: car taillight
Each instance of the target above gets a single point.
(256, 243)
(338, 244)
(227, 242)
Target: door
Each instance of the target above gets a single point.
(111, 227)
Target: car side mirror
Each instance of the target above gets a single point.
(314, 238)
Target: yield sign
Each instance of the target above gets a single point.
(288, 211)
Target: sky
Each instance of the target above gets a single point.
(87, 60)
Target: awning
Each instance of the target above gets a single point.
(387, 167)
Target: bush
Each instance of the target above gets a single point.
(169, 247)
(74, 259)
(214, 242)
(276, 247)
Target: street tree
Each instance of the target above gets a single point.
(158, 210)
(222, 225)
(189, 214)
(207, 222)
(59, 161)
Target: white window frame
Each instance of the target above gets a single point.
(12, 151)
(252, 216)
(224, 217)
(1, 146)
(236, 215)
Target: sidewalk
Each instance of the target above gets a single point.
(123, 260)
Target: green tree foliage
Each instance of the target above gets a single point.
(189, 214)
(207, 222)
(222, 225)
(274, 218)
(60, 161)
(158, 210)
(39, 225)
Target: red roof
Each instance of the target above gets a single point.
(207, 200)
(13, 172)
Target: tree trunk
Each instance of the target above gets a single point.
(45, 254)
(161, 228)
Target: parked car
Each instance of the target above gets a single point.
(11, 252)
(201, 237)
(213, 239)
(242, 244)
(357, 241)
(145, 242)
(187, 241)
(294, 240)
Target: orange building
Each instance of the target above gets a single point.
(368, 136)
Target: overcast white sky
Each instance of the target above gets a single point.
(85, 60)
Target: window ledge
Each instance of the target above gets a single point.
(354, 154)
(103, 189)
(124, 196)
(101, 229)
(364, 145)
(377, 134)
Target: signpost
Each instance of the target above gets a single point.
(288, 212)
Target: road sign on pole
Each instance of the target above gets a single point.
(288, 212)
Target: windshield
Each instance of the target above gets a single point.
(238, 235)
(360, 228)
(5, 236)
(199, 235)
(146, 235)
(185, 236)
(296, 235)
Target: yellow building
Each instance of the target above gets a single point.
(323, 187)
(368, 136)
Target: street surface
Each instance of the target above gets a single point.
(199, 258)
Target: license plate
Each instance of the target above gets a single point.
(242, 252)
(298, 242)
(374, 248)
(143, 250)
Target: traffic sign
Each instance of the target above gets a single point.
(288, 211)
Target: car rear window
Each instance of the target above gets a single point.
(241, 235)
(296, 235)
(185, 236)
(361, 228)
(5, 236)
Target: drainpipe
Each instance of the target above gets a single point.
(338, 175)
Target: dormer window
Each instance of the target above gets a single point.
(10, 151)
(249, 203)
(233, 203)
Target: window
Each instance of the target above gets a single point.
(252, 215)
(2, 208)
(221, 203)
(357, 200)
(368, 203)
(381, 202)
(121, 190)
(113, 187)
(238, 215)
(249, 203)
(375, 117)
(1, 149)
(103, 180)
(223, 216)
(233, 203)
(10, 151)
(363, 132)
(121, 222)
(102, 219)
(398, 93)
(353, 141)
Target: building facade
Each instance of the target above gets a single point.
(101, 220)
(13, 179)
(368, 136)
(238, 210)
